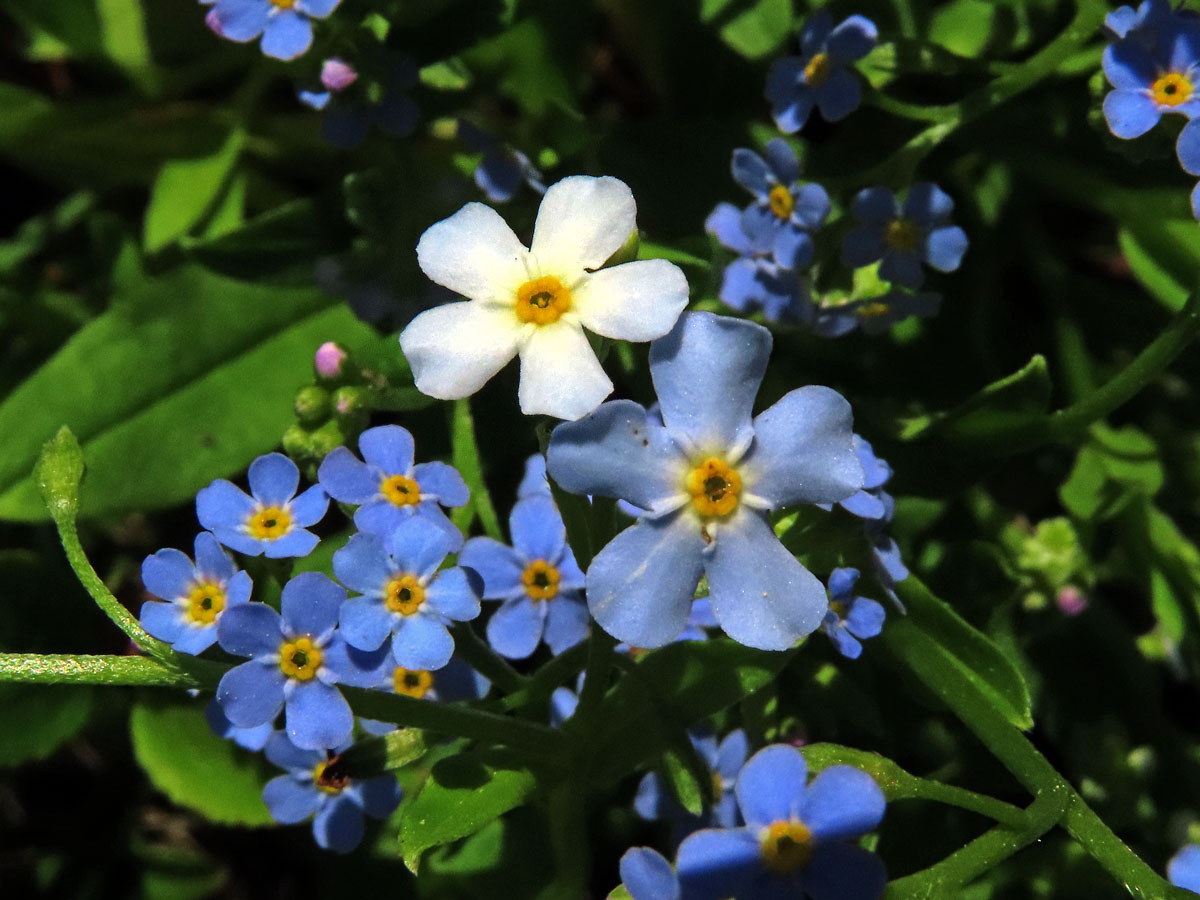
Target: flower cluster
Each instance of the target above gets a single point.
(353, 104)
(285, 26)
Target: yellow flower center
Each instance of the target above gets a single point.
(714, 487)
(1172, 89)
(902, 234)
(205, 602)
(786, 846)
(400, 490)
(872, 310)
(542, 300)
(838, 608)
(412, 682)
(818, 69)
(404, 595)
(269, 523)
(329, 782)
(541, 580)
(300, 658)
(283, 4)
(718, 787)
(781, 202)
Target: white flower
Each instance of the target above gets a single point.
(535, 303)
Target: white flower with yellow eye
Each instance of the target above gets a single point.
(535, 303)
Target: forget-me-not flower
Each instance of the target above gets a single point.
(1184, 868)
(271, 520)
(535, 303)
(785, 212)
(820, 76)
(404, 595)
(1153, 70)
(336, 802)
(537, 580)
(349, 114)
(253, 739)
(502, 169)
(195, 595)
(755, 280)
(851, 619)
(1141, 23)
(874, 315)
(647, 875)
(797, 837)
(388, 488)
(653, 801)
(905, 236)
(285, 25)
(706, 480)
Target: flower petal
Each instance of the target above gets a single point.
(537, 529)
(317, 716)
(944, 248)
(283, 753)
(498, 566)
(560, 375)
(363, 565)
(454, 349)
(309, 508)
(290, 801)
(339, 825)
(782, 159)
(844, 872)
(648, 876)
(273, 479)
(839, 95)
(635, 301)
(365, 623)
(286, 35)
(242, 20)
(1128, 66)
(389, 447)
(252, 629)
(1184, 868)
(751, 171)
(515, 630)
(715, 863)
(296, 543)
(476, 254)
(379, 796)
(222, 505)
(725, 224)
(874, 206)
(852, 39)
(1187, 147)
(421, 642)
(581, 223)
(865, 618)
(1130, 113)
(346, 478)
(310, 603)
(211, 560)
(418, 548)
(451, 594)
(566, 622)
(443, 481)
(841, 803)
(194, 640)
(732, 753)
(168, 573)
(162, 620)
(251, 694)
(771, 785)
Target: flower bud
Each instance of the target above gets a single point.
(328, 360)
(312, 405)
(337, 75)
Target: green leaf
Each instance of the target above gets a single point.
(36, 720)
(1112, 467)
(647, 250)
(686, 775)
(186, 190)
(753, 29)
(933, 629)
(463, 794)
(194, 767)
(1164, 256)
(123, 32)
(466, 460)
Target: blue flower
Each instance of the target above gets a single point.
(1154, 70)
(253, 739)
(707, 479)
(785, 212)
(502, 170)
(819, 76)
(850, 618)
(654, 802)
(874, 315)
(195, 595)
(403, 595)
(284, 24)
(1184, 868)
(314, 787)
(648, 876)
(904, 237)
(453, 682)
(754, 280)
(537, 580)
(295, 661)
(1142, 23)
(273, 520)
(534, 482)
(388, 489)
(349, 114)
(797, 837)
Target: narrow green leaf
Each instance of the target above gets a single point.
(686, 774)
(466, 460)
(186, 190)
(1163, 256)
(754, 29)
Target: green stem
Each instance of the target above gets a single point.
(466, 460)
(485, 660)
(595, 680)
(38, 668)
(547, 678)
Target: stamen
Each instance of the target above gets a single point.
(328, 779)
(1172, 89)
(269, 524)
(300, 658)
(902, 234)
(786, 846)
(412, 682)
(541, 580)
(714, 487)
(819, 68)
(404, 595)
(400, 490)
(781, 202)
(542, 300)
(205, 602)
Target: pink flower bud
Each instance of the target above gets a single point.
(213, 21)
(328, 360)
(1071, 601)
(337, 75)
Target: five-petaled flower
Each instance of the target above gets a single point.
(784, 212)
(706, 479)
(196, 595)
(536, 302)
(272, 522)
(285, 25)
(851, 619)
(647, 875)
(796, 841)
(654, 801)
(1155, 69)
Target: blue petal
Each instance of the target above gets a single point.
(315, 99)
(640, 585)
(864, 505)
(1130, 114)
(571, 578)
(317, 716)
(782, 159)
(211, 561)
(1196, 201)
(760, 226)
(498, 565)
(615, 452)
(725, 224)
(803, 450)
(339, 825)
(563, 703)
(389, 447)
(792, 115)
(815, 32)
(365, 622)
(168, 573)
(862, 247)
(715, 864)
(650, 801)
(771, 786)
(318, 9)
(418, 548)
(852, 39)
(760, 593)
(359, 668)
(944, 248)
(1184, 47)
(433, 516)
(273, 479)
(515, 630)
(648, 876)
(841, 582)
(927, 204)
(290, 801)
(346, 478)
(750, 171)
(162, 620)
(843, 641)
(865, 618)
(498, 176)
(537, 529)
(421, 642)
(1128, 66)
(901, 267)
(566, 623)
(1187, 148)
(839, 95)
(843, 872)
(701, 615)
(252, 739)
(252, 629)
(222, 505)
(889, 565)
(793, 248)
(1184, 868)
(534, 480)
(791, 100)
(194, 640)
(707, 372)
(458, 681)
(443, 481)
(877, 471)
(732, 753)
(874, 206)
(812, 206)
(242, 20)
(309, 508)
(363, 565)
(740, 287)
(452, 595)
(382, 517)
(841, 803)
(251, 694)
(379, 796)
(287, 34)
(297, 543)
(310, 603)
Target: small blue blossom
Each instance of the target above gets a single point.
(874, 315)
(196, 595)
(403, 594)
(655, 802)
(564, 702)
(502, 170)
(271, 520)
(295, 661)
(819, 75)
(707, 478)
(1153, 70)
(797, 841)
(851, 619)
(537, 580)
(350, 113)
(754, 280)
(453, 682)
(313, 787)
(904, 237)
(388, 489)
(647, 875)
(285, 25)
(253, 739)
(1142, 23)
(785, 212)
(1183, 870)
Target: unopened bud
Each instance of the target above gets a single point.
(312, 405)
(337, 75)
(1071, 601)
(328, 360)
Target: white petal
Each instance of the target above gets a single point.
(636, 301)
(582, 222)
(454, 349)
(560, 375)
(474, 253)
